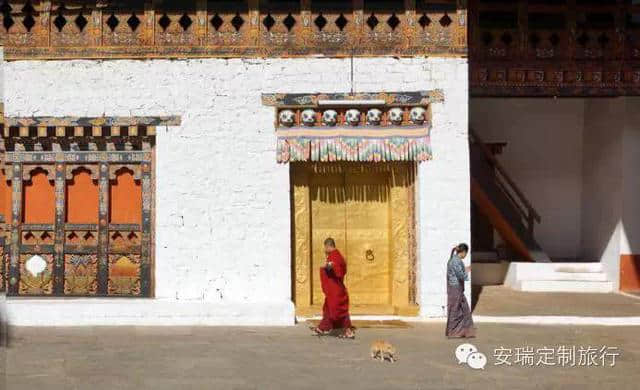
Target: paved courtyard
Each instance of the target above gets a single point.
(290, 358)
(502, 301)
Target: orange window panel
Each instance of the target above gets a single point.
(82, 198)
(126, 198)
(39, 198)
(5, 196)
(630, 273)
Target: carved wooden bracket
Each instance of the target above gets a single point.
(28, 170)
(116, 168)
(73, 168)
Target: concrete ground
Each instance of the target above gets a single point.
(290, 358)
(502, 301)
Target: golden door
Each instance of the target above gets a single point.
(366, 208)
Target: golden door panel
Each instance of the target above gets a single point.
(327, 220)
(367, 231)
(365, 208)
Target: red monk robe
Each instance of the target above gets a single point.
(335, 312)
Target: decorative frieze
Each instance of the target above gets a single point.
(105, 121)
(577, 79)
(65, 127)
(54, 30)
(352, 117)
(353, 127)
(289, 100)
(564, 48)
(76, 157)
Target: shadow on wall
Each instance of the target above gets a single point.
(543, 156)
(620, 256)
(630, 239)
(338, 183)
(475, 296)
(339, 193)
(489, 274)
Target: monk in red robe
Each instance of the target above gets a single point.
(335, 312)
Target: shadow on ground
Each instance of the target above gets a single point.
(502, 301)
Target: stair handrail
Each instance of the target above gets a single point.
(531, 215)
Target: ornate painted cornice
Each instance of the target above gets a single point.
(294, 100)
(109, 29)
(563, 48)
(72, 121)
(85, 126)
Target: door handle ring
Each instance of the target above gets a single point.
(369, 256)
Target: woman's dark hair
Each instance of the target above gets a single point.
(331, 242)
(459, 248)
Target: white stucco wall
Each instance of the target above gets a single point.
(544, 157)
(611, 205)
(576, 159)
(602, 183)
(630, 234)
(443, 191)
(222, 202)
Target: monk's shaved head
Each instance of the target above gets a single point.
(330, 242)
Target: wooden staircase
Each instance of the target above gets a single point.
(498, 198)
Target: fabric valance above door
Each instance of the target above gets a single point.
(344, 145)
(371, 127)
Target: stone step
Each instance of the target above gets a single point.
(573, 286)
(577, 267)
(543, 271)
(577, 276)
(558, 277)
